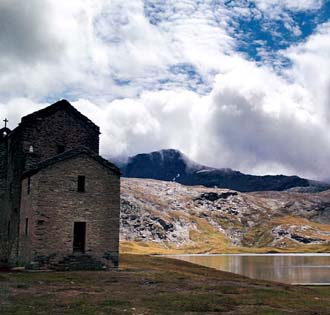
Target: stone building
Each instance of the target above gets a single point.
(60, 200)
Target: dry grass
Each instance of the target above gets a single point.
(290, 220)
(151, 248)
(154, 286)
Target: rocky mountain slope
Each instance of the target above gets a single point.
(200, 219)
(172, 165)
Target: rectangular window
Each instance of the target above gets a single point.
(8, 231)
(29, 185)
(60, 148)
(26, 226)
(79, 237)
(81, 183)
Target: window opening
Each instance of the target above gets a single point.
(26, 226)
(81, 183)
(29, 185)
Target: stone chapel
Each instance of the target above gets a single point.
(59, 199)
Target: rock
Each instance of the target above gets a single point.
(305, 240)
(166, 226)
(213, 196)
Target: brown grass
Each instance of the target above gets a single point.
(154, 286)
(152, 248)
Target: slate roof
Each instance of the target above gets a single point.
(60, 105)
(69, 155)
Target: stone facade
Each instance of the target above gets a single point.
(41, 161)
(4, 213)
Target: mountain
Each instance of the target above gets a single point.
(159, 216)
(172, 165)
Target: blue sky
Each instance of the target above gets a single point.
(263, 39)
(240, 84)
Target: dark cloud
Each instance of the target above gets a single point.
(24, 35)
(254, 139)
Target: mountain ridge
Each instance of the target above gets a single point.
(173, 165)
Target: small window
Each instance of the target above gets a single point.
(26, 226)
(60, 148)
(29, 185)
(81, 183)
(8, 229)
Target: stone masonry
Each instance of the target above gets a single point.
(42, 210)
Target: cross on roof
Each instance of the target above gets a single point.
(6, 121)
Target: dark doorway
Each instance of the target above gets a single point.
(60, 148)
(79, 236)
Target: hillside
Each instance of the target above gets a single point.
(172, 165)
(158, 214)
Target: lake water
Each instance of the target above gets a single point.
(304, 269)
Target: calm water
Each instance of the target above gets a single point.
(289, 268)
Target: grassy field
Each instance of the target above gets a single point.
(154, 285)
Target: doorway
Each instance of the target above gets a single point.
(79, 237)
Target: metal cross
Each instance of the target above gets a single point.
(6, 121)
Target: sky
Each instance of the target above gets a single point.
(238, 84)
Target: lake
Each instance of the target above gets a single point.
(303, 269)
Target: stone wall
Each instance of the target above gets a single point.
(62, 128)
(37, 139)
(54, 204)
(15, 167)
(4, 215)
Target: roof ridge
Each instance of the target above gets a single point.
(54, 107)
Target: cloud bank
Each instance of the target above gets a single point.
(172, 74)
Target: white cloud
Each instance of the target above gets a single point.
(311, 61)
(160, 74)
(253, 120)
(276, 6)
(16, 108)
(266, 126)
(92, 48)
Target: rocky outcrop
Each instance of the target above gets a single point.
(139, 224)
(301, 234)
(213, 196)
(170, 213)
